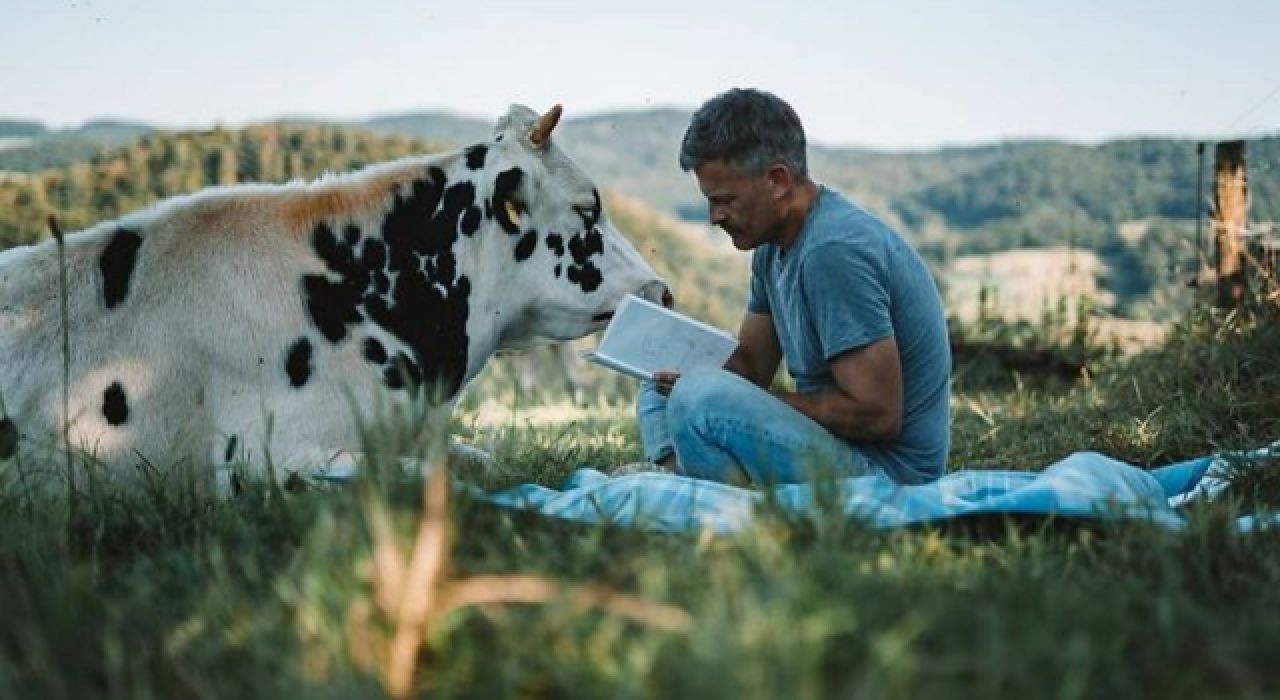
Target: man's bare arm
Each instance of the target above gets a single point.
(758, 353)
(866, 404)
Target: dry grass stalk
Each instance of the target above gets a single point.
(65, 315)
(491, 590)
(411, 593)
(421, 584)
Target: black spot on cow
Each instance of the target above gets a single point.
(402, 373)
(591, 215)
(374, 352)
(337, 254)
(115, 405)
(504, 192)
(374, 255)
(583, 272)
(333, 305)
(230, 453)
(557, 272)
(556, 243)
(588, 277)
(117, 263)
(526, 246)
(297, 363)
(8, 438)
(475, 156)
(471, 220)
(408, 283)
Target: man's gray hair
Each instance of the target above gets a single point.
(749, 129)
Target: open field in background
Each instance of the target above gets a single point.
(1030, 285)
(1025, 284)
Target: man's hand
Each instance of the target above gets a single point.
(664, 381)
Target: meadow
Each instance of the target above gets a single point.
(279, 594)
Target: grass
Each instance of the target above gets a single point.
(162, 595)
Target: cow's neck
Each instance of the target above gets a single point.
(414, 279)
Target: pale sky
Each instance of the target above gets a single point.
(892, 74)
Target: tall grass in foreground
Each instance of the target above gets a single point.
(158, 594)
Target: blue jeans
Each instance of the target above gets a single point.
(723, 428)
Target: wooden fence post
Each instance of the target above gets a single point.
(1230, 218)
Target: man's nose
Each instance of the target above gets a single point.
(718, 215)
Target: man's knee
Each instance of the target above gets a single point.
(699, 393)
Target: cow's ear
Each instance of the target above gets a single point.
(540, 134)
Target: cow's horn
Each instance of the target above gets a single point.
(542, 128)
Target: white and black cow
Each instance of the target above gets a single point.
(196, 323)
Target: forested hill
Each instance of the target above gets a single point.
(956, 200)
(28, 146)
(162, 164)
(950, 201)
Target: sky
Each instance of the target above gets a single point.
(894, 74)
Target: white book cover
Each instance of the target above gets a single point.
(643, 338)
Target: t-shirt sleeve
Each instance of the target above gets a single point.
(757, 297)
(846, 290)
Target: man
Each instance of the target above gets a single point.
(849, 305)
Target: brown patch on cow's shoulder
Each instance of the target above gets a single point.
(347, 199)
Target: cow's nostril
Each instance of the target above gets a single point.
(657, 292)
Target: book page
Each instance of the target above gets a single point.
(650, 338)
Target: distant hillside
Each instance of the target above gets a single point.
(440, 127)
(115, 181)
(632, 152)
(41, 149)
(950, 202)
(994, 197)
(19, 129)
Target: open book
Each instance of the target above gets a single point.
(644, 338)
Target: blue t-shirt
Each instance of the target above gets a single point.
(847, 282)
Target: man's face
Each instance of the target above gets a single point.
(744, 205)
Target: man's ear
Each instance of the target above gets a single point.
(779, 179)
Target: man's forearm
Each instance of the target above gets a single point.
(742, 364)
(844, 416)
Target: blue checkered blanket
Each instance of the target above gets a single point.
(1083, 485)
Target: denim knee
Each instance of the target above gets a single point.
(698, 394)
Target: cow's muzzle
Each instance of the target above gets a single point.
(658, 293)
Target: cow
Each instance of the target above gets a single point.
(263, 320)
